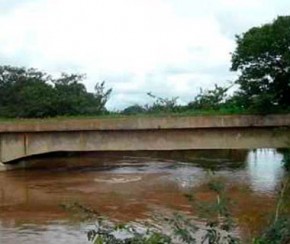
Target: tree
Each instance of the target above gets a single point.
(71, 95)
(25, 93)
(211, 99)
(262, 58)
(134, 109)
(101, 96)
(162, 105)
(32, 93)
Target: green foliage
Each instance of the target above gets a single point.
(219, 221)
(101, 96)
(163, 105)
(279, 230)
(27, 93)
(277, 233)
(210, 99)
(286, 159)
(262, 58)
(207, 102)
(134, 109)
(159, 106)
(108, 232)
(24, 92)
(183, 228)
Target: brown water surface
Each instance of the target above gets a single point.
(130, 187)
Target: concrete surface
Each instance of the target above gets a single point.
(165, 133)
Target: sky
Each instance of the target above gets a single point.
(170, 48)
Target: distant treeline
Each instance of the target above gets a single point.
(29, 93)
(262, 60)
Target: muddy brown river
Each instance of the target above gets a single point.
(132, 186)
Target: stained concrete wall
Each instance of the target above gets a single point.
(170, 133)
(146, 123)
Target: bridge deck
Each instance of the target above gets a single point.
(20, 140)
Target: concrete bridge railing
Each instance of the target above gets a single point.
(19, 140)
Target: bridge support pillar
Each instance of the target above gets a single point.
(3, 167)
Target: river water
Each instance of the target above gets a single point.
(132, 186)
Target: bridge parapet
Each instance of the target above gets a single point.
(147, 123)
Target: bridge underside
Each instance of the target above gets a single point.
(15, 146)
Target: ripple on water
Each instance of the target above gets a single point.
(118, 180)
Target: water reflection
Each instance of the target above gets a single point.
(265, 169)
(129, 186)
(49, 234)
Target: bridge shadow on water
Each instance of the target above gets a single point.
(208, 159)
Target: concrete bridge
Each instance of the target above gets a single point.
(27, 138)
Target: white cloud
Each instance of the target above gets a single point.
(169, 47)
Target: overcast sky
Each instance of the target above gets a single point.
(167, 47)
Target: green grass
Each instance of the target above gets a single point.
(116, 115)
